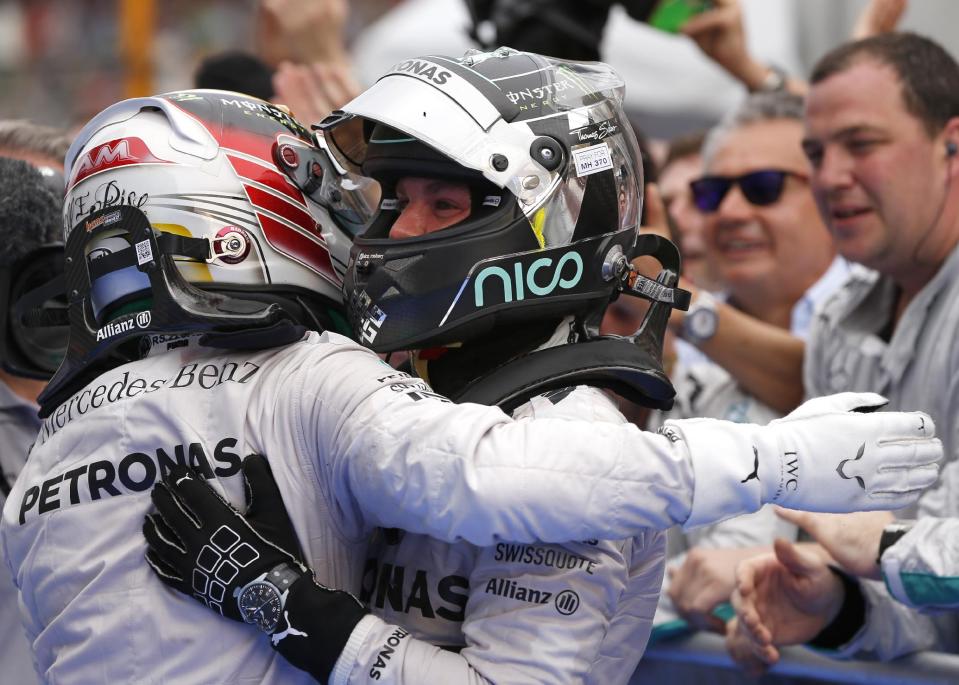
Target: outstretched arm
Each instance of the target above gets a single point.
(879, 16)
(408, 459)
(720, 34)
(783, 598)
(919, 561)
(793, 597)
(766, 360)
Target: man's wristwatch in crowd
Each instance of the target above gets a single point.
(775, 80)
(890, 536)
(702, 319)
(261, 601)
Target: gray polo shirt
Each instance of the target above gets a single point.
(19, 426)
(917, 369)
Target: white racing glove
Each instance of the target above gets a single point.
(832, 454)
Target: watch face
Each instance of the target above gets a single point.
(702, 323)
(260, 604)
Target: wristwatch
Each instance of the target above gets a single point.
(775, 80)
(701, 320)
(261, 601)
(890, 536)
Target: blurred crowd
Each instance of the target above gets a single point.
(818, 225)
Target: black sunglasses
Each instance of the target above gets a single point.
(763, 187)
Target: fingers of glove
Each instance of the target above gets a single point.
(901, 457)
(262, 492)
(904, 485)
(199, 500)
(162, 538)
(904, 426)
(175, 514)
(165, 572)
(266, 512)
(860, 402)
(896, 469)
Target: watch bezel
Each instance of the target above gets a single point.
(701, 321)
(257, 620)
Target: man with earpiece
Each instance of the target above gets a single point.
(882, 137)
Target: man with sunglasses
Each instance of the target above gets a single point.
(773, 256)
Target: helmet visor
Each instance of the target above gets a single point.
(468, 130)
(477, 121)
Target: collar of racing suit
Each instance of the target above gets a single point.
(507, 369)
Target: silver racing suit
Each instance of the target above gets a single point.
(353, 445)
(525, 613)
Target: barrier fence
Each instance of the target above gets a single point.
(701, 659)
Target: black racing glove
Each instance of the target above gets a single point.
(248, 569)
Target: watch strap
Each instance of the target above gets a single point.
(704, 306)
(283, 576)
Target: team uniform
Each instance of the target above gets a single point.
(920, 569)
(916, 368)
(353, 444)
(587, 606)
(18, 428)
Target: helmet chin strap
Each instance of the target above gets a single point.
(619, 364)
(451, 368)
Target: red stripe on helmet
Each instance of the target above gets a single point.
(110, 155)
(308, 250)
(271, 178)
(261, 199)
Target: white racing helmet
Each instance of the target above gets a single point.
(204, 212)
(556, 189)
(557, 193)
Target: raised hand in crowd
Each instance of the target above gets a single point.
(721, 35)
(851, 539)
(782, 598)
(312, 91)
(879, 16)
(302, 31)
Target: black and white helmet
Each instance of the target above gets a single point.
(556, 179)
